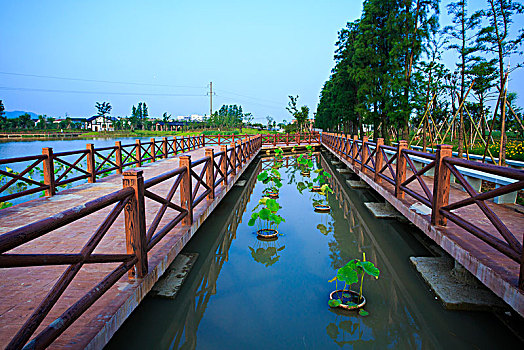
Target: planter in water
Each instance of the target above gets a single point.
(346, 299)
(322, 208)
(266, 219)
(267, 234)
(316, 189)
(305, 173)
(353, 272)
(321, 205)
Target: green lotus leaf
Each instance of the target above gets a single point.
(334, 302)
(363, 312)
(370, 269)
(322, 228)
(276, 218)
(264, 214)
(348, 275)
(251, 222)
(262, 176)
(272, 205)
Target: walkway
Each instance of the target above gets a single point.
(498, 269)
(23, 288)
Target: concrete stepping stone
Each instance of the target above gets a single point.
(169, 284)
(454, 286)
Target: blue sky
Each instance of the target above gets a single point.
(263, 50)
(255, 53)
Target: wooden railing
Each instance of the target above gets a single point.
(192, 182)
(49, 171)
(395, 165)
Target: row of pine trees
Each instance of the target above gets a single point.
(389, 75)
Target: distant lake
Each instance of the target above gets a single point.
(23, 148)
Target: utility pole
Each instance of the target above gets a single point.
(210, 99)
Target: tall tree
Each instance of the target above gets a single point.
(464, 43)
(496, 38)
(103, 108)
(2, 111)
(416, 23)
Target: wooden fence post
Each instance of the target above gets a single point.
(175, 145)
(210, 172)
(354, 149)
(379, 160)
(118, 157)
(401, 169)
(223, 163)
(183, 144)
(91, 165)
(138, 152)
(203, 140)
(49, 171)
(152, 150)
(234, 158)
(364, 153)
(441, 184)
(164, 147)
(241, 158)
(135, 222)
(274, 140)
(287, 139)
(186, 189)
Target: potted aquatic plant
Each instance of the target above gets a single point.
(279, 154)
(266, 218)
(320, 180)
(321, 205)
(272, 178)
(351, 273)
(305, 164)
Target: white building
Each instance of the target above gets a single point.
(99, 123)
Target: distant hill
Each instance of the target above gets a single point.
(16, 114)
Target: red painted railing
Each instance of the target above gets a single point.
(59, 169)
(395, 165)
(193, 181)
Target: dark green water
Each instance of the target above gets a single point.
(246, 294)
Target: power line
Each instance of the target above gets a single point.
(253, 98)
(97, 92)
(256, 103)
(98, 81)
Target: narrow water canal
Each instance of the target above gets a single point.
(243, 293)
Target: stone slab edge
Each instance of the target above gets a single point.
(453, 293)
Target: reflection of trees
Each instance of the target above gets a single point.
(266, 252)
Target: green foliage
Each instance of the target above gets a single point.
(103, 108)
(229, 116)
(334, 302)
(354, 270)
(271, 177)
(266, 216)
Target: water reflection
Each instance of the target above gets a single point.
(245, 312)
(266, 252)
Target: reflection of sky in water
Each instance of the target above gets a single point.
(273, 295)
